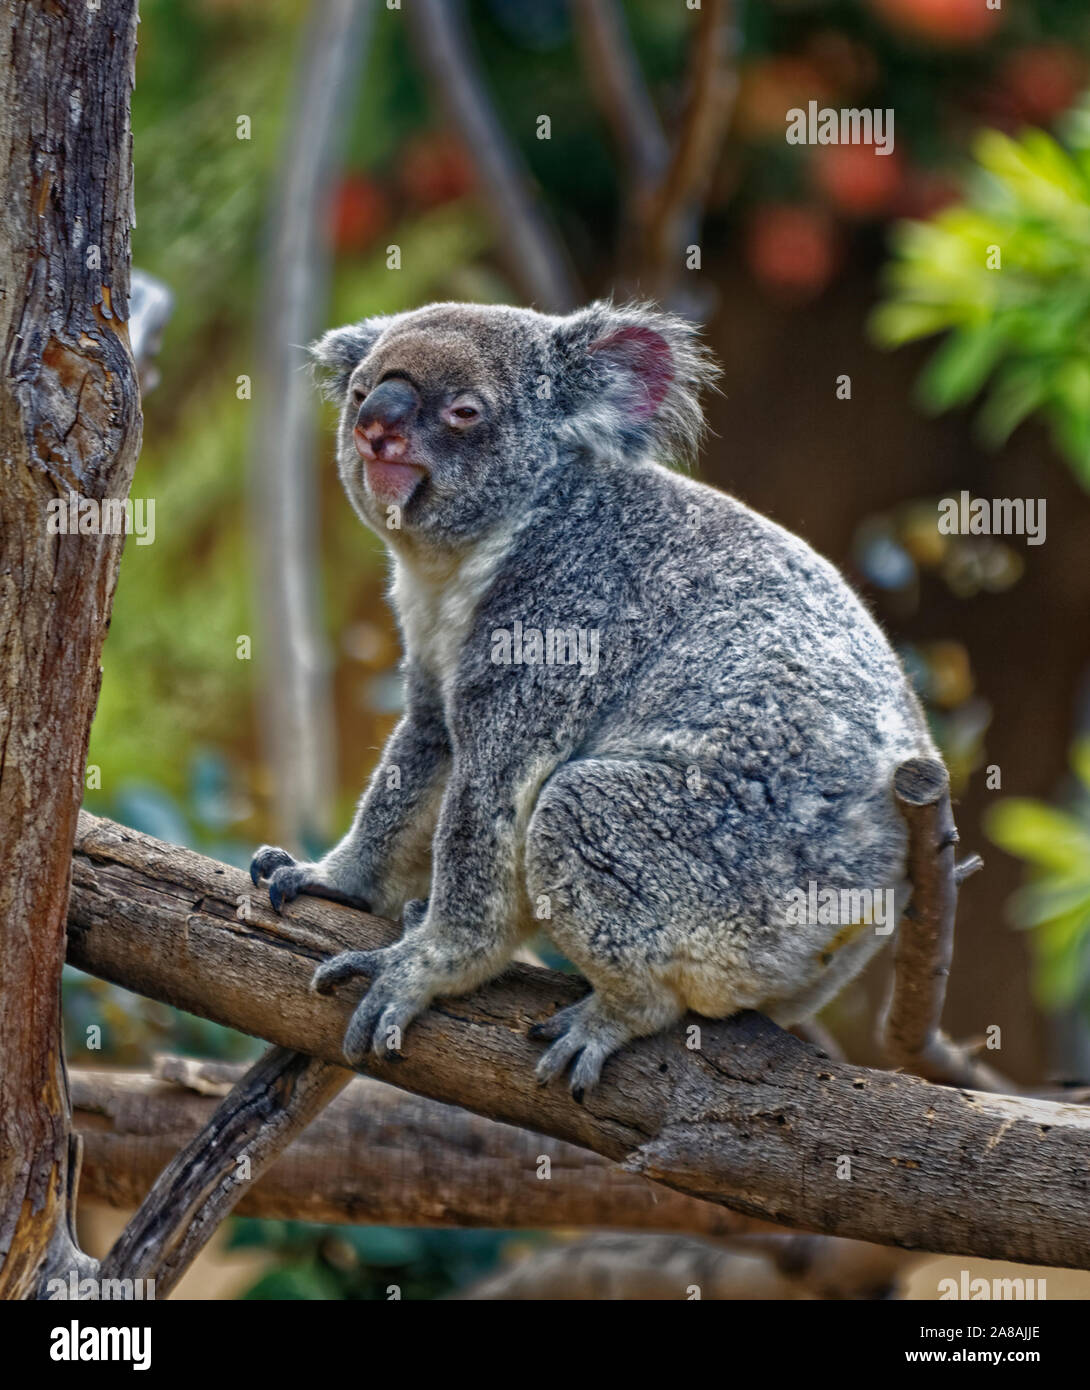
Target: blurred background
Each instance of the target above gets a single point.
(299, 165)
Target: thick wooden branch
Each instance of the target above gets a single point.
(754, 1119)
(375, 1156)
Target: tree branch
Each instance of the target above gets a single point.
(535, 256)
(755, 1119)
(275, 1100)
(375, 1156)
(673, 211)
(925, 938)
(613, 72)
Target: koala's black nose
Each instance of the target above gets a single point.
(390, 406)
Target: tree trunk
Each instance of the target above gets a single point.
(69, 426)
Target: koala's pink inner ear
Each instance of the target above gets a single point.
(645, 356)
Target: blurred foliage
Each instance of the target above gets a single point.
(1055, 902)
(1007, 272)
(370, 1262)
(899, 552)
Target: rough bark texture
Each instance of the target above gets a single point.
(275, 1100)
(755, 1119)
(375, 1156)
(69, 422)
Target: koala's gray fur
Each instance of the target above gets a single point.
(737, 740)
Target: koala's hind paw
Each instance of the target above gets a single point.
(584, 1033)
(287, 878)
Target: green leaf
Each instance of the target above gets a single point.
(1040, 834)
(1054, 898)
(959, 368)
(1080, 761)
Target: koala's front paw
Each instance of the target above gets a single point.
(287, 878)
(585, 1032)
(401, 989)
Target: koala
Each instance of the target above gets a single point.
(639, 715)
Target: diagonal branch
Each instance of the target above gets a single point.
(535, 256)
(272, 1103)
(616, 82)
(672, 216)
(754, 1118)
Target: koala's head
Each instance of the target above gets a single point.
(452, 414)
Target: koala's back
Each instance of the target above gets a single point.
(744, 750)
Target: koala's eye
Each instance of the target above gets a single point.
(358, 395)
(461, 413)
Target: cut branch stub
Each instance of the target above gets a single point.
(925, 938)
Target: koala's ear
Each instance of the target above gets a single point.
(632, 378)
(336, 354)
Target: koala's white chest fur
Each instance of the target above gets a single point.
(436, 599)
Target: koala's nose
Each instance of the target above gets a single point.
(384, 415)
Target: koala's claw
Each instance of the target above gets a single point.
(377, 1026)
(268, 858)
(584, 1036)
(287, 878)
(286, 883)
